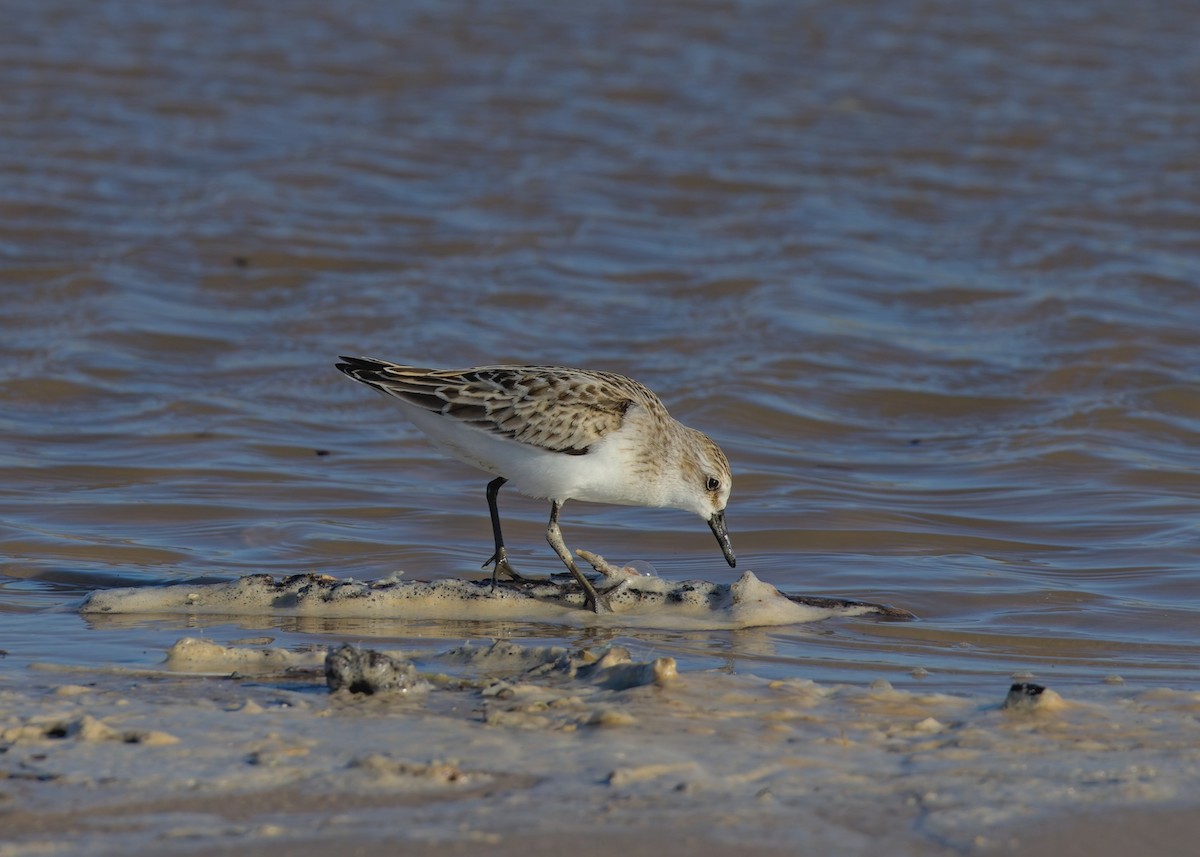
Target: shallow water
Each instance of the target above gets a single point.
(926, 272)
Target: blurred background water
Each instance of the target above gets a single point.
(926, 270)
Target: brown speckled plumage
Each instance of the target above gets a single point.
(545, 406)
(561, 434)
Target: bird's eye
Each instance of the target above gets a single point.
(713, 483)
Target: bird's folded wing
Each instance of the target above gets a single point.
(559, 410)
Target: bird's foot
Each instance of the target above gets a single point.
(596, 602)
(501, 565)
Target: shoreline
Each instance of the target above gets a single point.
(512, 748)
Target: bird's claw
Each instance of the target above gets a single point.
(599, 604)
(594, 601)
(500, 565)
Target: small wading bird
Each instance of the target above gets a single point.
(561, 434)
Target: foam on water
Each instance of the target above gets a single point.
(636, 601)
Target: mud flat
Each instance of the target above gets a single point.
(497, 747)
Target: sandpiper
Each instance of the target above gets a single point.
(561, 434)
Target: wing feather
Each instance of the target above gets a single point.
(553, 408)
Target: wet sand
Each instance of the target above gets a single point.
(511, 748)
(1148, 832)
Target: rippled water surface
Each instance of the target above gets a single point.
(927, 271)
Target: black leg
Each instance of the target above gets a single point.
(554, 536)
(498, 560)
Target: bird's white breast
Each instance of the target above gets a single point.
(603, 475)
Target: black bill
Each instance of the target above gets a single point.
(717, 524)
